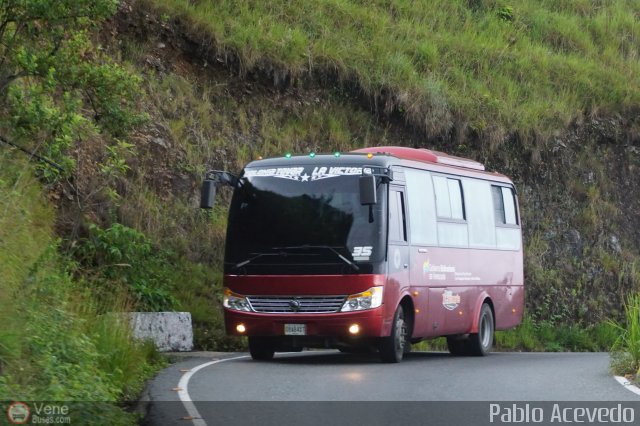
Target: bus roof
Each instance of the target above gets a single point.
(423, 154)
(387, 156)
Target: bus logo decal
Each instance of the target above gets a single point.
(449, 300)
(294, 304)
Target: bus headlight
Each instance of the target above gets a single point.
(369, 299)
(235, 301)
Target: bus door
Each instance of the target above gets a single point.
(398, 251)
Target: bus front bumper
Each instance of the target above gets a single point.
(339, 324)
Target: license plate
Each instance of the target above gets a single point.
(295, 329)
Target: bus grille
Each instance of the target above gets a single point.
(296, 304)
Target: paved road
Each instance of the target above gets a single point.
(333, 376)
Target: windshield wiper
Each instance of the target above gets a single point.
(333, 250)
(258, 255)
(251, 259)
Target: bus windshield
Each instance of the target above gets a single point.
(298, 220)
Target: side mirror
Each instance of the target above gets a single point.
(208, 194)
(227, 178)
(368, 193)
(211, 180)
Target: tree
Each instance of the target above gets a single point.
(56, 85)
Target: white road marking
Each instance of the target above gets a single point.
(183, 384)
(184, 393)
(627, 384)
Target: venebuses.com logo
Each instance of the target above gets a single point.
(18, 413)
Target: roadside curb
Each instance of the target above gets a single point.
(627, 384)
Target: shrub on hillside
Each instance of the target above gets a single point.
(121, 258)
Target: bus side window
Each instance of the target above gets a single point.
(508, 236)
(397, 221)
(504, 205)
(449, 199)
(508, 199)
(498, 204)
(422, 208)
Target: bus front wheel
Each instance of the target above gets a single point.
(392, 348)
(261, 348)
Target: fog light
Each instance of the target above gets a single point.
(354, 329)
(240, 328)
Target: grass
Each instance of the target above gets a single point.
(205, 120)
(54, 344)
(490, 65)
(545, 336)
(536, 336)
(25, 232)
(626, 349)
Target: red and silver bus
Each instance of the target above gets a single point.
(375, 249)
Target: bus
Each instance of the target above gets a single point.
(374, 249)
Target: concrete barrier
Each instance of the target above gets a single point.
(170, 331)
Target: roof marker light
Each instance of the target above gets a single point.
(369, 155)
(288, 155)
(312, 154)
(336, 154)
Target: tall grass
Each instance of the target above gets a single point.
(626, 350)
(533, 336)
(546, 336)
(54, 345)
(489, 64)
(25, 230)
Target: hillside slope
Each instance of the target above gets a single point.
(462, 67)
(553, 83)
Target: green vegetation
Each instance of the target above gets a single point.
(60, 90)
(123, 260)
(532, 336)
(54, 343)
(489, 65)
(52, 74)
(553, 337)
(626, 349)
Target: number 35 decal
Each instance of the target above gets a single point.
(362, 252)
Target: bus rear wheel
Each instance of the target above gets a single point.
(393, 347)
(480, 343)
(261, 348)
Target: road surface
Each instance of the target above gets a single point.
(326, 387)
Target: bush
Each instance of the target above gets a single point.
(123, 258)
